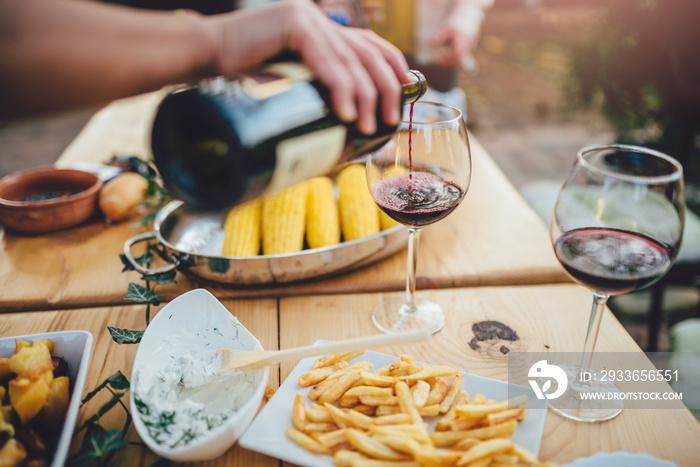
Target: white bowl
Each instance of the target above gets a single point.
(75, 348)
(190, 328)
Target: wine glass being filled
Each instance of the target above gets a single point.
(418, 178)
(616, 228)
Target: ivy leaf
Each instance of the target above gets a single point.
(117, 381)
(145, 259)
(96, 443)
(125, 336)
(163, 278)
(140, 294)
(126, 263)
(103, 410)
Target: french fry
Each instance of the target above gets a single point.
(416, 432)
(449, 438)
(369, 391)
(478, 411)
(299, 412)
(485, 462)
(339, 417)
(345, 457)
(392, 419)
(321, 387)
(331, 439)
(444, 423)
(412, 366)
(359, 420)
(392, 369)
(348, 401)
(429, 410)
(319, 427)
(343, 383)
(406, 402)
(318, 415)
(372, 447)
(317, 375)
(336, 357)
(508, 459)
(380, 463)
(374, 379)
(430, 455)
(419, 393)
(465, 444)
(462, 423)
(505, 416)
(379, 400)
(400, 443)
(524, 455)
(431, 372)
(438, 391)
(306, 441)
(389, 410)
(479, 399)
(451, 395)
(365, 409)
(486, 449)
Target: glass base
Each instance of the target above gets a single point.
(579, 402)
(394, 316)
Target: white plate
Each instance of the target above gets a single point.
(267, 433)
(75, 348)
(620, 459)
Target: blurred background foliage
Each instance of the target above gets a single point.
(640, 67)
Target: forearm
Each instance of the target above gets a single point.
(61, 54)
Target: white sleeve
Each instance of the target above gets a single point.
(466, 16)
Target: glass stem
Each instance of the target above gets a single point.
(599, 302)
(413, 240)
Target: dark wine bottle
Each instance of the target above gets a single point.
(226, 141)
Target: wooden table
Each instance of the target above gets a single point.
(490, 260)
(548, 315)
(493, 238)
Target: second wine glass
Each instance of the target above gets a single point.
(418, 178)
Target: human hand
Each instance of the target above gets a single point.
(457, 47)
(358, 67)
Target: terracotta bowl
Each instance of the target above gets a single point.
(47, 199)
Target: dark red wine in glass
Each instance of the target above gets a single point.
(612, 261)
(425, 199)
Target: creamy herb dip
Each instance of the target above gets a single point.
(177, 396)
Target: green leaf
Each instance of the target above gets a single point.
(96, 443)
(103, 410)
(163, 278)
(145, 259)
(140, 294)
(117, 381)
(125, 336)
(127, 264)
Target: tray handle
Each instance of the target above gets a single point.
(147, 271)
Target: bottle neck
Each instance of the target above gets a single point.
(416, 89)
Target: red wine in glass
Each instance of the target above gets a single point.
(417, 199)
(612, 261)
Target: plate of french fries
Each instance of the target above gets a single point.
(368, 409)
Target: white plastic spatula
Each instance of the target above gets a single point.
(251, 359)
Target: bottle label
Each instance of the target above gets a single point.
(307, 156)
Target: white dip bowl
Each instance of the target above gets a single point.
(179, 409)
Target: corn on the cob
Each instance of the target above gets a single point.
(242, 230)
(322, 222)
(283, 220)
(359, 216)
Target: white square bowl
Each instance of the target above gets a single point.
(199, 313)
(75, 347)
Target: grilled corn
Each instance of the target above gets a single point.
(242, 230)
(359, 216)
(283, 220)
(322, 222)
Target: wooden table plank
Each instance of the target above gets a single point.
(259, 316)
(493, 238)
(546, 318)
